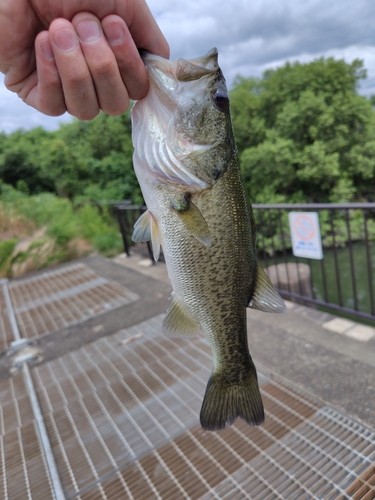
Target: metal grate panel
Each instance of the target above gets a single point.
(122, 416)
(23, 472)
(57, 299)
(319, 459)
(116, 402)
(6, 336)
(363, 488)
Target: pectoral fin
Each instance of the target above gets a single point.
(142, 228)
(265, 297)
(193, 219)
(178, 322)
(146, 229)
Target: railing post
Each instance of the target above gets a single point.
(122, 230)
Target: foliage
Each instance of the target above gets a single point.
(88, 161)
(63, 226)
(305, 135)
(65, 231)
(6, 250)
(47, 181)
(303, 132)
(99, 229)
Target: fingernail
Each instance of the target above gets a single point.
(88, 31)
(47, 49)
(65, 39)
(114, 33)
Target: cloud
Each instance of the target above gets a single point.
(251, 36)
(285, 27)
(254, 36)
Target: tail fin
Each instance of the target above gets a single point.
(224, 401)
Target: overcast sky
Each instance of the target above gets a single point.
(251, 35)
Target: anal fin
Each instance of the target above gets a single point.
(265, 297)
(178, 322)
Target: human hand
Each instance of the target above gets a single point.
(85, 62)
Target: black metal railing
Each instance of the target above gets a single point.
(344, 280)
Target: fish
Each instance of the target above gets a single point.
(187, 165)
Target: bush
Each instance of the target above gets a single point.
(6, 250)
(64, 232)
(101, 231)
(109, 243)
(63, 226)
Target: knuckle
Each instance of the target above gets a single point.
(103, 68)
(54, 85)
(79, 79)
(129, 66)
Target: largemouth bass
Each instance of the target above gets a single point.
(187, 165)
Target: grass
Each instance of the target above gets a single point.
(6, 251)
(41, 230)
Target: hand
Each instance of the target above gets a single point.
(85, 62)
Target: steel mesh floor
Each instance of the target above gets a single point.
(23, 472)
(319, 459)
(56, 299)
(122, 417)
(6, 336)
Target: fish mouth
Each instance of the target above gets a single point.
(165, 75)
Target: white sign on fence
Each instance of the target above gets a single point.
(305, 232)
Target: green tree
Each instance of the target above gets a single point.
(61, 167)
(304, 134)
(83, 160)
(105, 146)
(19, 159)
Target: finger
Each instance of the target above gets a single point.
(78, 87)
(131, 67)
(111, 92)
(46, 92)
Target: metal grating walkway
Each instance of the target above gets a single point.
(23, 469)
(122, 417)
(6, 336)
(319, 459)
(56, 299)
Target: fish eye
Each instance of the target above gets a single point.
(220, 99)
